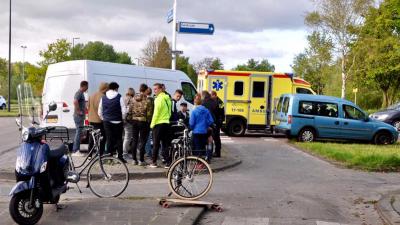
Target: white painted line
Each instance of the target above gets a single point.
(270, 140)
(244, 221)
(227, 141)
(327, 223)
(222, 138)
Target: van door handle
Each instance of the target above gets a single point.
(336, 122)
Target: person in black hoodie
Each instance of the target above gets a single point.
(220, 117)
(212, 106)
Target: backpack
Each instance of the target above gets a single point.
(137, 108)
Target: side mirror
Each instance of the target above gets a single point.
(52, 106)
(366, 119)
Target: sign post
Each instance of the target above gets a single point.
(173, 64)
(355, 90)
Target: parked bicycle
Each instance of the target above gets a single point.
(107, 176)
(189, 177)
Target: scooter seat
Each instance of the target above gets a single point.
(58, 152)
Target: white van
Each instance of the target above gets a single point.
(63, 80)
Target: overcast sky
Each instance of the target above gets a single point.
(243, 29)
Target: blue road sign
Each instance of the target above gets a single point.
(196, 28)
(170, 15)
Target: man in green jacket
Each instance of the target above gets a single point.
(160, 124)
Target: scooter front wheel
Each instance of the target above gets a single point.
(22, 211)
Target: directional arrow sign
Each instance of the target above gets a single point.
(196, 28)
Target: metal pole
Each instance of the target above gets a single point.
(173, 64)
(23, 63)
(9, 62)
(73, 41)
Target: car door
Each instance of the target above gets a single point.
(354, 124)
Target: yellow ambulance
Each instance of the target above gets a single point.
(250, 98)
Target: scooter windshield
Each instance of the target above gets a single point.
(29, 106)
(30, 158)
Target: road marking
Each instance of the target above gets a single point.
(244, 221)
(327, 223)
(270, 139)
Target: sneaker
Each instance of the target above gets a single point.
(135, 162)
(167, 165)
(79, 154)
(141, 163)
(153, 165)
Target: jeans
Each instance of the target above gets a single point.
(140, 134)
(161, 136)
(102, 143)
(149, 144)
(114, 137)
(128, 130)
(79, 120)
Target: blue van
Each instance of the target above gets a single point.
(308, 117)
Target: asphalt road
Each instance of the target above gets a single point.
(278, 184)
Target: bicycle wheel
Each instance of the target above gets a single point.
(108, 178)
(190, 178)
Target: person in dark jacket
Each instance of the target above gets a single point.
(212, 106)
(219, 119)
(183, 114)
(112, 111)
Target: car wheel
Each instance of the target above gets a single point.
(383, 138)
(306, 135)
(397, 124)
(3, 106)
(236, 128)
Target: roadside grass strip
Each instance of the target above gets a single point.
(379, 158)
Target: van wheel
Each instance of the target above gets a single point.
(306, 135)
(383, 138)
(236, 128)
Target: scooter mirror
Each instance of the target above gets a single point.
(18, 121)
(52, 106)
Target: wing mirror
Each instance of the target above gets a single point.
(52, 106)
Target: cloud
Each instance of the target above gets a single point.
(244, 29)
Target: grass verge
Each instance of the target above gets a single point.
(379, 158)
(5, 113)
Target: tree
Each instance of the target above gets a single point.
(377, 50)
(316, 61)
(254, 65)
(55, 52)
(35, 76)
(99, 51)
(163, 58)
(182, 64)
(209, 63)
(338, 19)
(150, 50)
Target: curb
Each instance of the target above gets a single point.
(193, 215)
(231, 162)
(386, 209)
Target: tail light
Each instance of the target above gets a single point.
(289, 119)
(65, 107)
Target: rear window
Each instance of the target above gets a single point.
(238, 90)
(318, 108)
(279, 107)
(303, 91)
(285, 106)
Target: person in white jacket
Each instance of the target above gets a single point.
(112, 111)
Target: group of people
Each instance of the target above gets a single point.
(126, 122)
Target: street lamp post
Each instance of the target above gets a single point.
(9, 62)
(23, 62)
(73, 41)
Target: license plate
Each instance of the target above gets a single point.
(52, 120)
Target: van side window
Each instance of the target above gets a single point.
(258, 89)
(303, 91)
(285, 106)
(327, 109)
(188, 92)
(279, 107)
(238, 90)
(352, 113)
(306, 108)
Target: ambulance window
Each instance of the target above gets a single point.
(238, 88)
(258, 89)
(303, 91)
(188, 92)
